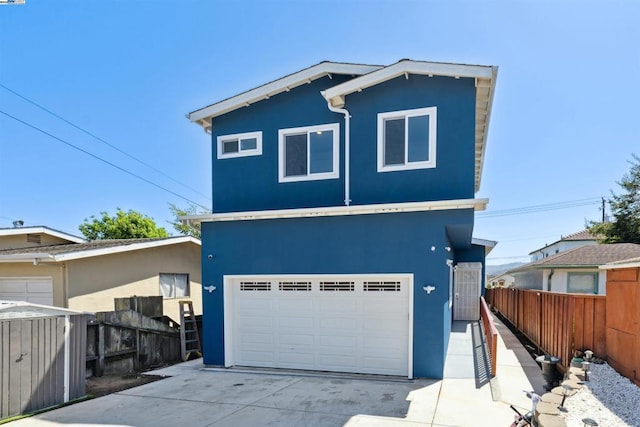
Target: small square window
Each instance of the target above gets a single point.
(174, 285)
(240, 145)
(407, 139)
(308, 153)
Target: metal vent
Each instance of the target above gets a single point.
(295, 286)
(382, 286)
(255, 286)
(34, 238)
(337, 286)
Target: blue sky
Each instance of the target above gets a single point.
(563, 127)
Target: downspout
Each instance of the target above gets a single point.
(347, 195)
(549, 280)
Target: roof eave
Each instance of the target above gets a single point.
(204, 116)
(485, 80)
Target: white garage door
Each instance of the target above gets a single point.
(326, 323)
(37, 290)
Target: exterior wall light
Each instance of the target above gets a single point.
(210, 288)
(428, 289)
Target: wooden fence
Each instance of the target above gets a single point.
(490, 333)
(125, 341)
(558, 324)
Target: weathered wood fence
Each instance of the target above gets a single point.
(558, 324)
(125, 341)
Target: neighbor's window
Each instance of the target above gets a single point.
(174, 285)
(582, 283)
(239, 145)
(308, 153)
(407, 139)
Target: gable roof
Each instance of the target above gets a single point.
(586, 256)
(205, 115)
(370, 75)
(40, 229)
(93, 248)
(584, 235)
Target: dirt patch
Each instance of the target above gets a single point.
(101, 386)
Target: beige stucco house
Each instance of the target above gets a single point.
(46, 266)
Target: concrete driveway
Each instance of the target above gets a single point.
(193, 396)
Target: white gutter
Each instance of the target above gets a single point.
(382, 208)
(347, 150)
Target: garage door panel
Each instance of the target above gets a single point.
(296, 339)
(37, 290)
(350, 325)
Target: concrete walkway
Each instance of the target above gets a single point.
(196, 396)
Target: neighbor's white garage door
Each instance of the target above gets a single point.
(327, 323)
(37, 290)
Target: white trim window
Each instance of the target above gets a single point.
(407, 139)
(174, 285)
(240, 145)
(308, 153)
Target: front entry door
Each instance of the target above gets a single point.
(466, 292)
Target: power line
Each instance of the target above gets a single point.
(539, 208)
(102, 140)
(101, 159)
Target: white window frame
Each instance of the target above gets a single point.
(431, 112)
(240, 153)
(282, 133)
(173, 289)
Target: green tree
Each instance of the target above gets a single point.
(124, 225)
(185, 229)
(625, 207)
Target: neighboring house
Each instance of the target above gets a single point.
(45, 266)
(572, 241)
(343, 199)
(504, 280)
(574, 271)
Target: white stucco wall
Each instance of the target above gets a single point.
(559, 279)
(558, 247)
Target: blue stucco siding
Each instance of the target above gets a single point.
(453, 176)
(359, 244)
(251, 183)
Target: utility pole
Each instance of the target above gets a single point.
(603, 204)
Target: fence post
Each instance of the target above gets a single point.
(100, 360)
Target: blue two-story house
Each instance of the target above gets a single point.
(343, 200)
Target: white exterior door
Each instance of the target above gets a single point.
(467, 283)
(36, 290)
(358, 324)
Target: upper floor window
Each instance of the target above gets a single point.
(308, 153)
(407, 139)
(239, 145)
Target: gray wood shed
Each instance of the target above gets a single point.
(42, 356)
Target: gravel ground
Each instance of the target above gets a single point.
(608, 398)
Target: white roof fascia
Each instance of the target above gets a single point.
(633, 264)
(277, 86)
(124, 248)
(44, 230)
(88, 253)
(30, 257)
(411, 67)
(488, 244)
(476, 204)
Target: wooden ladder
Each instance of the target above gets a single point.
(189, 338)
